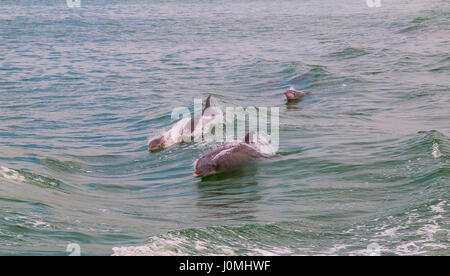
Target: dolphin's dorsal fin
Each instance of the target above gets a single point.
(207, 104)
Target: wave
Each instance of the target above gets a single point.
(414, 224)
(222, 240)
(349, 52)
(11, 174)
(29, 178)
(424, 226)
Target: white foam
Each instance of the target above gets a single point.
(40, 223)
(271, 251)
(427, 233)
(133, 251)
(182, 247)
(175, 245)
(435, 150)
(336, 248)
(409, 248)
(439, 208)
(157, 246)
(391, 232)
(11, 174)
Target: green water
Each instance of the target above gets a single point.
(362, 160)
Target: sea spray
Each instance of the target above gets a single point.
(11, 174)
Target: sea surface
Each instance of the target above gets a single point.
(363, 164)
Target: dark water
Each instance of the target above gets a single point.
(363, 160)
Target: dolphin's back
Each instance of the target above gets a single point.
(231, 156)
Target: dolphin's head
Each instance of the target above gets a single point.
(205, 166)
(156, 144)
(223, 159)
(290, 94)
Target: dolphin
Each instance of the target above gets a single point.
(228, 158)
(182, 131)
(294, 95)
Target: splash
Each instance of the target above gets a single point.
(178, 244)
(435, 151)
(11, 174)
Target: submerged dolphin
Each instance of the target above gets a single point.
(228, 158)
(294, 95)
(183, 130)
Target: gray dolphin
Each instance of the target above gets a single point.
(162, 141)
(294, 95)
(227, 158)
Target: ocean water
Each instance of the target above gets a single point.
(363, 163)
